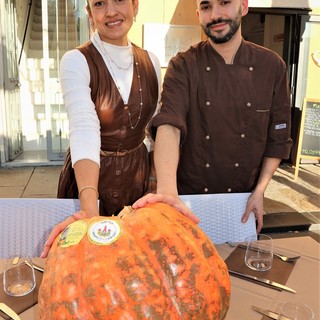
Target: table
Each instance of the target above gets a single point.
(304, 278)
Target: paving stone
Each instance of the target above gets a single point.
(11, 192)
(15, 176)
(292, 207)
(43, 183)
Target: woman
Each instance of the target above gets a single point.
(111, 90)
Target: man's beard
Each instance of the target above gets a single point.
(234, 26)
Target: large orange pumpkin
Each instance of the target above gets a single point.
(151, 263)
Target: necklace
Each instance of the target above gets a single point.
(121, 70)
(107, 53)
(136, 65)
(141, 100)
(98, 42)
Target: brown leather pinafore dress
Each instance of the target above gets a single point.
(124, 161)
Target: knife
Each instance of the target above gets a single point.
(270, 314)
(262, 281)
(8, 311)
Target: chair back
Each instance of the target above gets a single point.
(25, 224)
(220, 215)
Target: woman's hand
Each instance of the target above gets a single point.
(59, 228)
(169, 199)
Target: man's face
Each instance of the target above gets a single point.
(220, 19)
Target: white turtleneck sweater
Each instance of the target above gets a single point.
(84, 125)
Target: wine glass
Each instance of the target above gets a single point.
(259, 253)
(295, 311)
(19, 276)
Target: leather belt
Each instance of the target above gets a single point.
(119, 153)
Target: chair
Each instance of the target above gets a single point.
(25, 224)
(220, 216)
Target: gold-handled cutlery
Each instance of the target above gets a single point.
(270, 314)
(9, 312)
(262, 281)
(35, 267)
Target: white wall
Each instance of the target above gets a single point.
(3, 129)
(298, 4)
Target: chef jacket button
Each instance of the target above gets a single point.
(248, 104)
(207, 165)
(115, 194)
(207, 137)
(242, 135)
(236, 164)
(250, 68)
(208, 103)
(118, 172)
(229, 190)
(208, 68)
(205, 189)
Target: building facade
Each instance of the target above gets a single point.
(36, 33)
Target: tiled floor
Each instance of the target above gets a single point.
(29, 182)
(284, 194)
(293, 206)
(288, 202)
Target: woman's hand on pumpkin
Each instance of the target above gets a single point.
(59, 228)
(169, 199)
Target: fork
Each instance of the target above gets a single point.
(281, 256)
(285, 258)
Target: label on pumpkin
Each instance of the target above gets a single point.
(104, 232)
(73, 234)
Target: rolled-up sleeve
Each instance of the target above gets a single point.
(279, 140)
(175, 98)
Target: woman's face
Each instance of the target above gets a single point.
(113, 19)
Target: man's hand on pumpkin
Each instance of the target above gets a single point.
(59, 228)
(173, 201)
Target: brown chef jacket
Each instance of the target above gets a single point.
(230, 116)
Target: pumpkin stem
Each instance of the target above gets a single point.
(126, 210)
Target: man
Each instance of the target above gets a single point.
(224, 124)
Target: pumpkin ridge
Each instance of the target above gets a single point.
(125, 268)
(164, 210)
(225, 294)
(213, 253)
(162, 267)
(150, 256)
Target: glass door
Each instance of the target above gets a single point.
(281, 31)
(65, 26)
(13, 138)
(276, 30)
